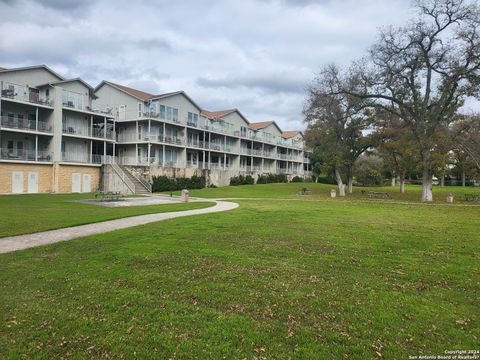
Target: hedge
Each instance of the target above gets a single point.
(272, 178)
(164, 183)
(242, 180)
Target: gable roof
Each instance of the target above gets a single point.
(260, 125)
(217, 114)
(263, 124)
(141, 95)
(144, 96)
(291, 133)
(87, 85)
(181, 92)
(45, 67)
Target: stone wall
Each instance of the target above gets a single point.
(111, 181)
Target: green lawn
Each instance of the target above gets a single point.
(24, 214)
(271, 279)
(322, 191)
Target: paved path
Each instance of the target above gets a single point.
(20, 242)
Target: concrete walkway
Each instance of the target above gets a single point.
(20, 242)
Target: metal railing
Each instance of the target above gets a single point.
(25, 124)
(25, 155)
(124, 177)
(23, 93)
(83, 158)
(75, 130)
(144, 182)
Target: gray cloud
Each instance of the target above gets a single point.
(256, 55)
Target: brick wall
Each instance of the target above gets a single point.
(63, 176)
(44, 176)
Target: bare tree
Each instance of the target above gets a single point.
(336, 125)
(423, 72)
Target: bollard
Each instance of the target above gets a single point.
(450, 198)
(184, 195)
(333, 193)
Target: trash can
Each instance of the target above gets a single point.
(333, 193)
(450, 198)
(184, 195)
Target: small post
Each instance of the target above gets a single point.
(185, 195)
(333, 193)
(450, 198)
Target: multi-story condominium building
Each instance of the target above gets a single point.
(61, 135)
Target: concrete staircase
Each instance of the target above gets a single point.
(141, 185)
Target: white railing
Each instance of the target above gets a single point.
(23, 93)
(71, 129)
(25, 155)
(25, 124)
(100, 133)
(83, 158)
(75, 100)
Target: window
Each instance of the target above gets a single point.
(192, 119)
(139, 109)
(168, 113)
(175, 115)
(243, 131)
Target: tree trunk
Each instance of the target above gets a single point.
(350, 179)
(402, 183)
(463, 178)
(393, 180)
(316, 179)
(341, 186)
(442, 181)
(427, 195)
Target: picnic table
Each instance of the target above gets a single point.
(304, 191)
(472, 197)
(378, 195)
(108, 195)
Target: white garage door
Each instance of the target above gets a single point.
(86, 187)
(33, 182)
(76, 181)
(17, 182)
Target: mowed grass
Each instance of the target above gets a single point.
(24, 214)
(322, 191)
(271, 279)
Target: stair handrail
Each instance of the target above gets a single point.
(124, 177)
(143, 181)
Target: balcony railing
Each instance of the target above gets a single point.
(25, 155)
(163, 117)
(76, 130)
(83, 158)
(25, 124)
(23, 93)
(100, 133)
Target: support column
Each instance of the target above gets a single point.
(163, 150)
(104, 152)
(36, 145)
(36, 119)
(136, 151)
(91, 151)
(105, 127)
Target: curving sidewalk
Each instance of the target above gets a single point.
(20, 242)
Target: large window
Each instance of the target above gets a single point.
(168, 113)
(192, 119)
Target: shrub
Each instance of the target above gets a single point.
(296, 179)
(164, 183)
(242, 180)
(272, 178)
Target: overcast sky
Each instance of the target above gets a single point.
(255, 55)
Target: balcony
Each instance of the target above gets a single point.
(25, 155)
(25, 124)
(76, 130)
(196, 144)
(100, 133)
(83, 158)
(163, 117)
(24, 93)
